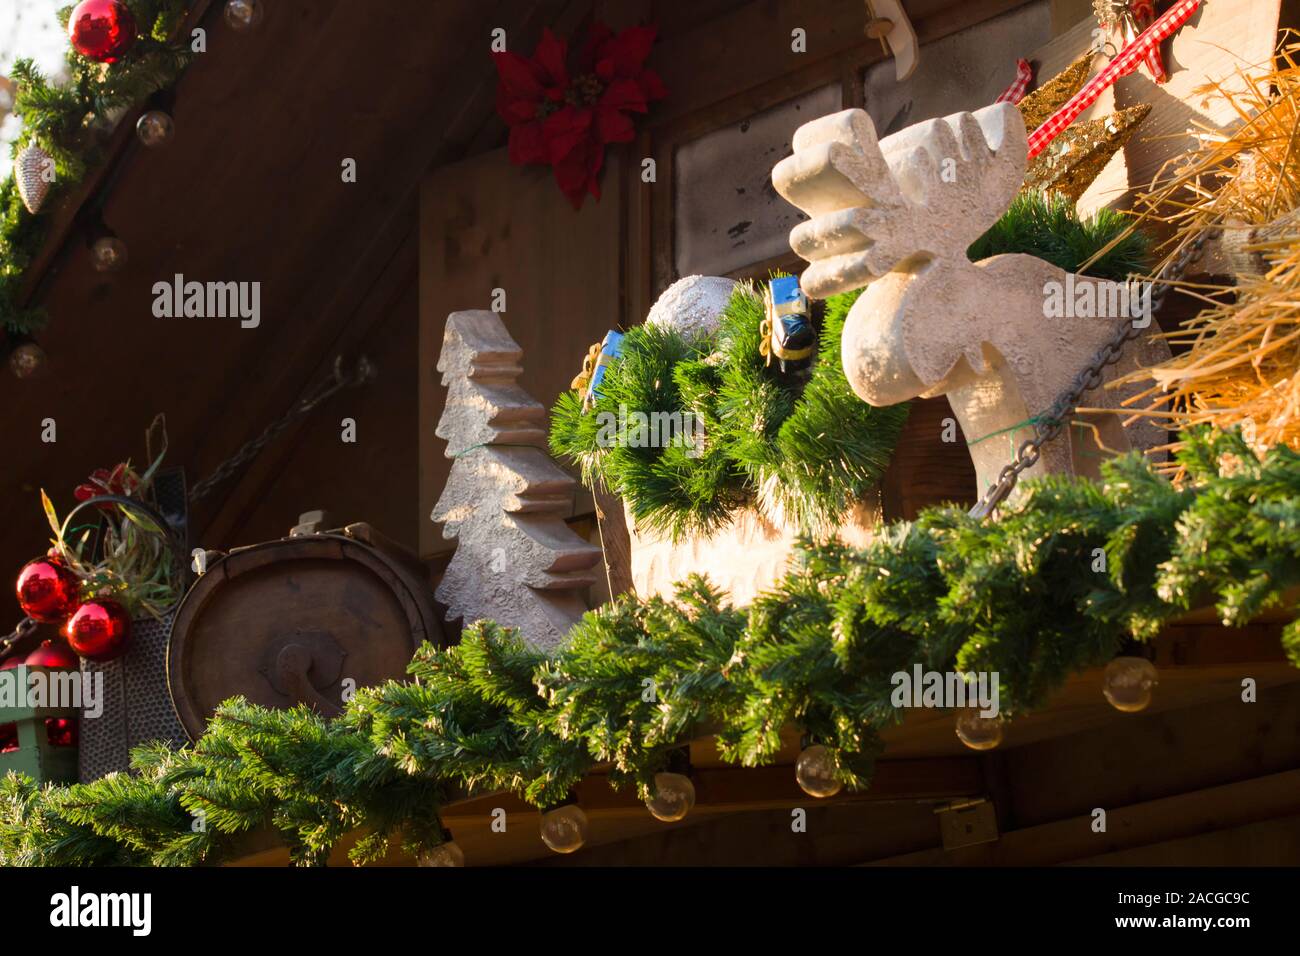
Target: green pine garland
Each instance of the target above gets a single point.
(67, 121)
(1020, 595)
(804, 447)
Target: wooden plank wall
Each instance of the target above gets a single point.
(371, 480)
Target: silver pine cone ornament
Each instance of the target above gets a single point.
(33, 168)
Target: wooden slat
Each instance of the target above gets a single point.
(286, 478)
(703, 68)
(734, 789)
(1137, 825)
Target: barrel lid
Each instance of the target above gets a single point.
(306, 619)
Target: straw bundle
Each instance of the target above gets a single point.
(1241, 366)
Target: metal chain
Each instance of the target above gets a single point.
(362, 373)
(25, 627)
(1048, 426)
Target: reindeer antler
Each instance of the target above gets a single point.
(924, 193)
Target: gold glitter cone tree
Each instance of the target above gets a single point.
(1076, 157)
(1074, 160)
(1037, 106)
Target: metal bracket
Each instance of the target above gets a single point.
(969, 822)
(311, 522)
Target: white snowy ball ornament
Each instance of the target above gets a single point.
(692, 306)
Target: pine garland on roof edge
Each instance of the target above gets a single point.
(1018, 595)
(68, 121)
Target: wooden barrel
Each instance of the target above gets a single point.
(305, 619)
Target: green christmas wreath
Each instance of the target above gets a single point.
(802, 447)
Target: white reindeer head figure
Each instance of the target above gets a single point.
(896, 216)
(925, 193)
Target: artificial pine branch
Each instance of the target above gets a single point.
(1047, 226)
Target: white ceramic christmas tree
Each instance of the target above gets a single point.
(505, 501)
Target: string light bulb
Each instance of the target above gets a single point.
(27, 359)
(108, 254)
(446, 853)
(815, 771)
(155, 128)
(243, 15)
(564, 828)
(979, 732)
(674, 791)
(1128, 682)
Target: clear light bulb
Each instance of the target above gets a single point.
(445, 854)
(978, 732)
(1128, 683)
(815, 771)
(243, 14)
(27, 360)
(108, 254)
(564, 829)
(154, 128)
(673, 798)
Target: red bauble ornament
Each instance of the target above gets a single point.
(8, 738)
(61, 731)
(101, 30)
(47, 591)
(99, 629)
(9, 662)
(54, 656)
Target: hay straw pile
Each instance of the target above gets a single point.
(1243, 365)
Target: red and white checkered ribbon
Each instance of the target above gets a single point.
(1125, 62)
(1141, 13)
(1017, 90)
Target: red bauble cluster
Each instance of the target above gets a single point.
(99, 629)
(563, 114)
(8, 738)
(101, 30)
(47, 590)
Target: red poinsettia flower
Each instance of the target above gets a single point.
(528, 91)
(565, 119)
(614, 57)
(120, 481)
(577, 172)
